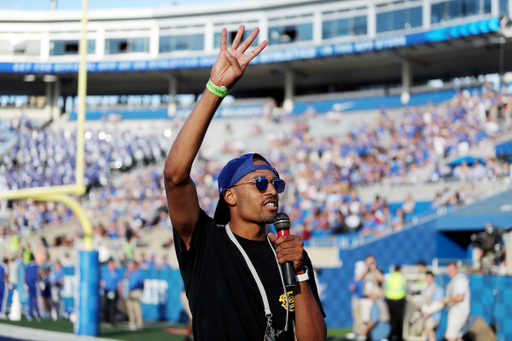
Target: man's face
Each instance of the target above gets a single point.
(111, 265)
(369, 261)
(430, 279)
(250, 204)
(452, 270)
(131, 266)
(422, 268)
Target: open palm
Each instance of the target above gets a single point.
(231, 64)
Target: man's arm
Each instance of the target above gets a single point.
(309, 321)
(180, 189)
(456, 299)
(368, 327)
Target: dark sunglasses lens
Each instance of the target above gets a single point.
(279, 185)
(262, 184)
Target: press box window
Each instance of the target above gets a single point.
(344, 27)
(454, 9)
(290, 33)
(130, 45)
(399, 20)
(20, 47)
(193, 42)
(231, 36)
(70, 47)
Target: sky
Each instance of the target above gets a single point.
(98, 4)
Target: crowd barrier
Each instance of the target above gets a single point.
(160, 297)
(162, 288)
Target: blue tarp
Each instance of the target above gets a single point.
(504, 149)
(470, 160)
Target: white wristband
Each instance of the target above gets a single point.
(304, 277)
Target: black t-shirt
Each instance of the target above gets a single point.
(224, 299)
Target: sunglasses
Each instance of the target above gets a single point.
(262, 184)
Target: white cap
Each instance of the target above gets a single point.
(360, 267)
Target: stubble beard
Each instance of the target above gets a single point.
(268, 218)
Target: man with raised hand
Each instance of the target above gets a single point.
(230, 266)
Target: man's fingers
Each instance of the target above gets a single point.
(289, 258)
(223, 38)
(251, 55)
(290, 245)
(237, 70)
(247, 42)
(272, 237)
(290, 251)
(287, 238)
(238, 37)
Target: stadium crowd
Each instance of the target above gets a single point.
(322, 173)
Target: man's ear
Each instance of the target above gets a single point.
(230, 197)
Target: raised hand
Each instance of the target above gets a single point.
(231, 64)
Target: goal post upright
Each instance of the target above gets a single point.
(87, 269)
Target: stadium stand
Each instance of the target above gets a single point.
(375, 157)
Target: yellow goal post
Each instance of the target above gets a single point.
(62, 193)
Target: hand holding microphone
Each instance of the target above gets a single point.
(289, 249)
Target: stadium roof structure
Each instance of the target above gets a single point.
(465, 46)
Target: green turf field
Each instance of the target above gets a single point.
(152, 331)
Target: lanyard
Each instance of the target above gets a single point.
(257, 279)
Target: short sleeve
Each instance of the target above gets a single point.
(439, 294)
(461, 286)
(190, 260)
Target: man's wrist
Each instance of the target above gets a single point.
(220, 91)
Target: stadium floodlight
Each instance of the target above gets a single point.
(29, 78)
(50, 78)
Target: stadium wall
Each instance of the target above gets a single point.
(405, 247)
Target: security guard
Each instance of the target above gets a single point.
(395, 291)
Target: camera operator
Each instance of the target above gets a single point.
(487, 248)
(426, 319)
(372, 284)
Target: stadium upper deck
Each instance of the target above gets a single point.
(314, 46)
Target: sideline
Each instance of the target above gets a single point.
(16, 333)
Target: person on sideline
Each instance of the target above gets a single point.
(32, 277)
(229, 264)
(109, 282)
(458, 302)
(4, 288)
(133, 305)
(395, 290)
(432, 294)
(378, 326)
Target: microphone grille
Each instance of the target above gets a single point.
(281, 221)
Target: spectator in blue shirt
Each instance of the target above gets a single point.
(4, 288)
(57, 282)
(378, 326)
(165, 263)
(151, 264)
(32, 278)
(135, 286)
(110, 280)
(431, 297)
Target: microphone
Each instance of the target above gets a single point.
(282, 226)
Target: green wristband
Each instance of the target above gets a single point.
(217, 90)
